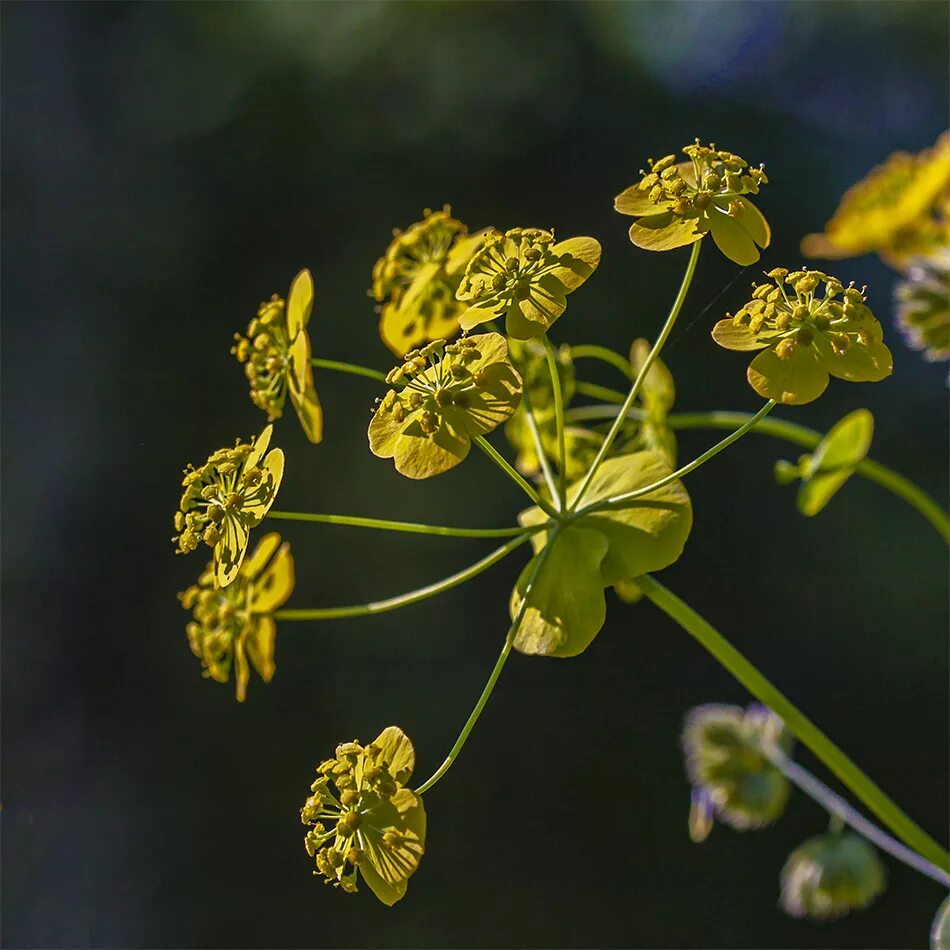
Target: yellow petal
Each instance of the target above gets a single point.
(464, 250)
(242, 670)
(794, 381)
(303, 394)
(858, 363)
(255, 509)
(664, 232)
(229, 551)
(398, 753)
(384, 431)
(255, 563)
(259, 643)
(299, 303)
(259, 448)
(636, 202)
(418, 455)
(579, 258)
(754, 222)
(276, 583)
(728, 335)
(732, 238)
(471, 318)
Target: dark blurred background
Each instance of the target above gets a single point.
(165, 168)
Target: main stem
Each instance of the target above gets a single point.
(412, 597)
(405, 527)
(559, 420)
(493, 677)
(800, 725)
(352, 368)
(644, 369)
(835, 805)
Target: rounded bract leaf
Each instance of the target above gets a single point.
(795, 380)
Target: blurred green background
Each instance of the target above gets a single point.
(166, 167)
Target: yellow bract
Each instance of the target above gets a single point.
(232, 626)
(898, 210)
(416, 279)
(525, 277)
(276, 354)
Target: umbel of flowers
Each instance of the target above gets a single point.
(608, 507)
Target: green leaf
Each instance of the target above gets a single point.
(846, 443)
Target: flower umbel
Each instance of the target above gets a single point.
(898, 210)
(805, 336)
(226, 497)
(361, 817)
(231, 626)
(923, 305)
(830, 875)
(443, 396)
(525, 277)
(416, 279)
(725, 749)
(276, 357)
(676, 204)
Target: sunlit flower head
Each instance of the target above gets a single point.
(362, 818)
(807, 325)
(898, 210)
(831, 464)
(441, 397)
(678, 203)
(923, 305)
(230, 625)
(416, 279)
(524, 276)
(226, 497)
(276, 357)
(830, 875)
(726, 749)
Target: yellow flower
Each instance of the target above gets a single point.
(804, 336)
(416, 279)
(276, 354)
(226, 497)
(443, 396)
(898, 210)
(524, 276)
(369, 821)
(676, 204)
(923, 305)
(231, 626)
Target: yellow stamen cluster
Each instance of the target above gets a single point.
(791, 312)
(431, 378)
(504, 270)
(217, 490)
(265, 353)
(714, 174)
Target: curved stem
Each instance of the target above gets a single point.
(620, 500)
(551, 357)
(799, 724)
(835, 805)
(597, 392)
(602, 353)
(513, 474)
(644, 369)
(352, 368)
(406, 527)
(493, 677)
(543, 460)
(412, 597)
(800, 435)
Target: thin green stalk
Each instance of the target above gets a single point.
(602, 353)
(352, 368)
(551, 357)
(543, 460)
(799, 724)
(412, 597)
(406, 527)
(597, 392)
(493, 677)
(799, 435)
(644, 369)
(619, 501)
(513, 474)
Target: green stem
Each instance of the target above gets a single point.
(799, 435)
(412, 597)
(644, 369)
(493, 677)
(543, 460)
(603, 354)
(809, 734)
(406, 527)
(513, 474)
(618, 501)
(551, 357)
(597, 392)
(352, 368)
